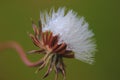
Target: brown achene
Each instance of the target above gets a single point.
(48, 45)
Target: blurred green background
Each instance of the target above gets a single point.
(103, 17)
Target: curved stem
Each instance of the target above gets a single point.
(21, 53)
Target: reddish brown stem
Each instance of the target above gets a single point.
(21, 53)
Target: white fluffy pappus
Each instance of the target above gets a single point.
(73, 30)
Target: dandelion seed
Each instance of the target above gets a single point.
(62, 35)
